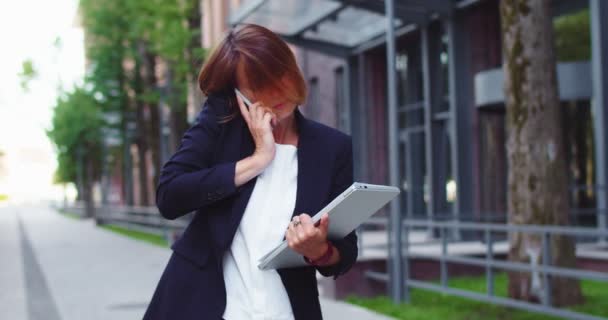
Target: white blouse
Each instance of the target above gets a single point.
(250, 292)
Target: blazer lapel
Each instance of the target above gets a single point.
(307, 163)
(247, 147)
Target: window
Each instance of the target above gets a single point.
(313, 98)
(342, 109)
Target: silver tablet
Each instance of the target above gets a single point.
(346, 212)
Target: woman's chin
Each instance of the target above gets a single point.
(284, 115)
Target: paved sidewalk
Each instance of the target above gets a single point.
(57, 268)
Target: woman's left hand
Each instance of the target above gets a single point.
(307, 239)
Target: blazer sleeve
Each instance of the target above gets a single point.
(347, 246)
(188, 181)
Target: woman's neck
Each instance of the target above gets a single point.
(285, 131)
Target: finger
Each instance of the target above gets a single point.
(244, 110)
(296, 226)
(253, 111)
(267, 120)
(289, 235)
(307, 224)
(299, 233)
(292, 237)
(293, 229)
(324, 225)
(309, 230)
(260, 111)
(305, 218)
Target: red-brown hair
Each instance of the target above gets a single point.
(261, 55)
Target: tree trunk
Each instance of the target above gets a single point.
(178, 122)
(195, 96)
(537, 182)
(178, 112)
(141, 127)
(127, 169)
(89, 205)
(150, 85)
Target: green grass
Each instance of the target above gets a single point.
(134, 234)
(69, 215)
(433, 305)
(138, 235)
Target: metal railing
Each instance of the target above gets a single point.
(139, 218)
(543, 269)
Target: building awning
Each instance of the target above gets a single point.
(336, 27)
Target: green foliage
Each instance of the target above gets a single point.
(572, 36)
(118, 31)
(106, 31)
(119, 36)
(27, 74)
(76, 132)
(429, 305)
(138, 235)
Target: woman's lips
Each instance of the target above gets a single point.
(279, 106)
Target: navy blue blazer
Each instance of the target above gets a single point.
(200, 176)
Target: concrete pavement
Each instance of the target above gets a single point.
(57, 268)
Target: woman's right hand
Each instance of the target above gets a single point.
(260, 122)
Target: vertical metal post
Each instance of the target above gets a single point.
(546, 244)
(406, 263)
(414, 137)
(409, 174)
(444, 253)
(428, 122)
(355, 79)
(460, 95)
(598, 10)
(359, 241)
(396, 275)
(489, 259)
(347, 96)
(362, 118)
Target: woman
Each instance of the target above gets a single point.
(253, 175)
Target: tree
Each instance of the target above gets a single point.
(76, 134)
(177, 42)
(537, 182)
(106, 29)
(126, 40)
(27, 74)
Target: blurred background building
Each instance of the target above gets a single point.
(450, 103)
(451, 117)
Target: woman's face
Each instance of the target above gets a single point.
(273, 101)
